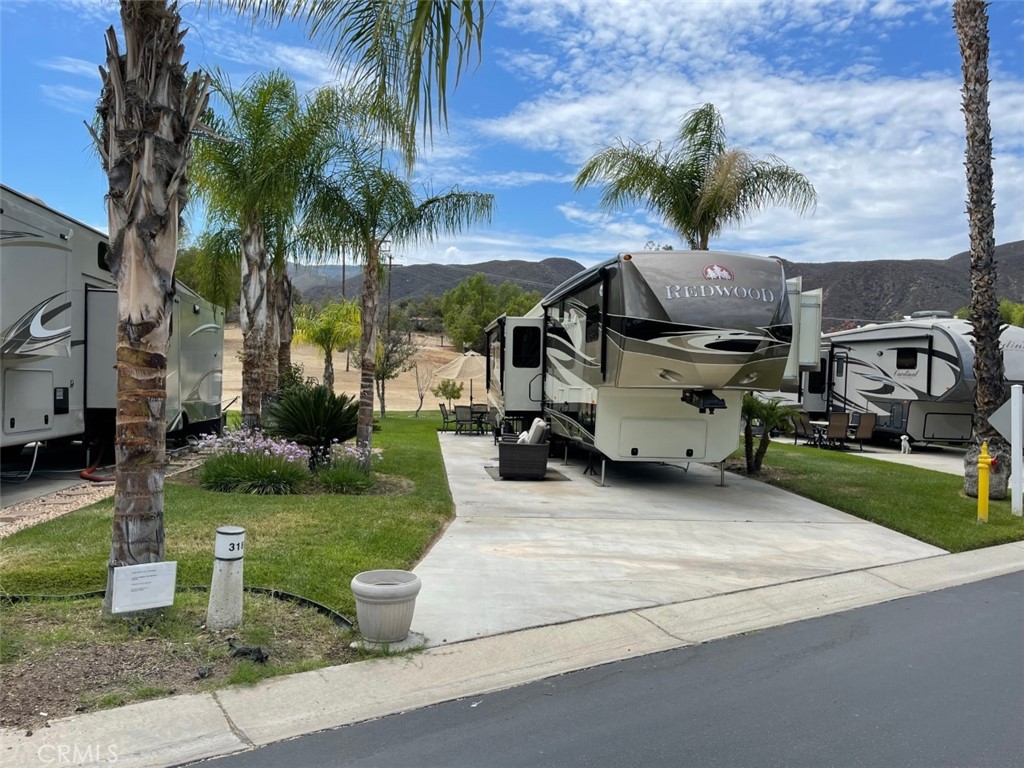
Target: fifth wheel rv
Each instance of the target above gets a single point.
(58, 318)
(646, 356)
(916, 375)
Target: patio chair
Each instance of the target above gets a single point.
(446, 418)
(525, 456)
(802, 428)
(465, 421)
(865, 428)
(838, 425)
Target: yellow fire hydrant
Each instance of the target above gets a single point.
(984, 462)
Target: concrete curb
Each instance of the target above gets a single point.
(182, 729)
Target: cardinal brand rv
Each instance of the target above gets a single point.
(646, 357)
(916, 375)
(58, 318)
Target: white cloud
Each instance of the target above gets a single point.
(72, 66)
(79, 101)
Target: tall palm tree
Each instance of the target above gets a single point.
(148, 110)
(971, 21)
(250, 173)
(699, 184)
(397, 50)
(365, 206)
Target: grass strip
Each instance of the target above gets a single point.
(927, 505)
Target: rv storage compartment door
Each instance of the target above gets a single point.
(28, 401)
(663, 438)
(101, 349)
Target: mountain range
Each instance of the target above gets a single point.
(857, 291)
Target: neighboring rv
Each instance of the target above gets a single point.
(646, 356)
(58, 319)
(916, 375)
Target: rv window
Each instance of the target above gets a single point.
(906, 359)
(525, 347)
(101, 257)
(593, 324)
(840, 366)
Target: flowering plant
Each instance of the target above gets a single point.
(252, 442)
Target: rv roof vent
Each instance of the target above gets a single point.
(921, 314)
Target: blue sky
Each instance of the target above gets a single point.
(861, 95)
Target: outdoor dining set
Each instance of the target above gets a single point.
(837, 431)
(467, 419)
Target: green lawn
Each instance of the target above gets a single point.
(307, 545)
(929, 506)
(313, 545)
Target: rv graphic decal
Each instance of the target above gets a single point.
(14, 234)
(29, 335)
(718, 272)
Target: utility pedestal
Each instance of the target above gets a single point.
(225, 608)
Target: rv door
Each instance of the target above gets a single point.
(524, 364)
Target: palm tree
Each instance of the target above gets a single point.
(971, 21)
(698, 185)
(771, 415)
(250, 173)
(330, 329)
(365, 206)
(396, 49)
(148, 110)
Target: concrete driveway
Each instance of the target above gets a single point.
(531, 553)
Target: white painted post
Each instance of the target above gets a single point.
(225, 607)
(1016, 448)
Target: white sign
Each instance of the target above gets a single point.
(138, 587)
(1001, 421)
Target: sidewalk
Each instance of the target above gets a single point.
(666, 557)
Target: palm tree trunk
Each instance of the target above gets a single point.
(971, 21)
(364, 424)
(329, 368)
(253, 319)
(148, 110)
(285, 323)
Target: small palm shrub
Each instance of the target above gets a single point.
(247, 461)
(314, 417)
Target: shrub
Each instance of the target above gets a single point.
(347, 472)
(347, 476)
(247, 461)
(314, 417)
(252, 473)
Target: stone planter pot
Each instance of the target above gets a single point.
(385, 601)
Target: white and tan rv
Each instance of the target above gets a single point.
(646, 356)
(916, 375)
(58, 320)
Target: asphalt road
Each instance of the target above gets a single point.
(934, 680)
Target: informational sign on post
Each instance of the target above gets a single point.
(140, 587)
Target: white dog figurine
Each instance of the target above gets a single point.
(904, 444)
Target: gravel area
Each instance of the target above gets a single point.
(38, 510)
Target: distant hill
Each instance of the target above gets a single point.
(862, 291)
(888, 289)
(421, 280)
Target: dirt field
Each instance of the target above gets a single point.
(401, 392)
